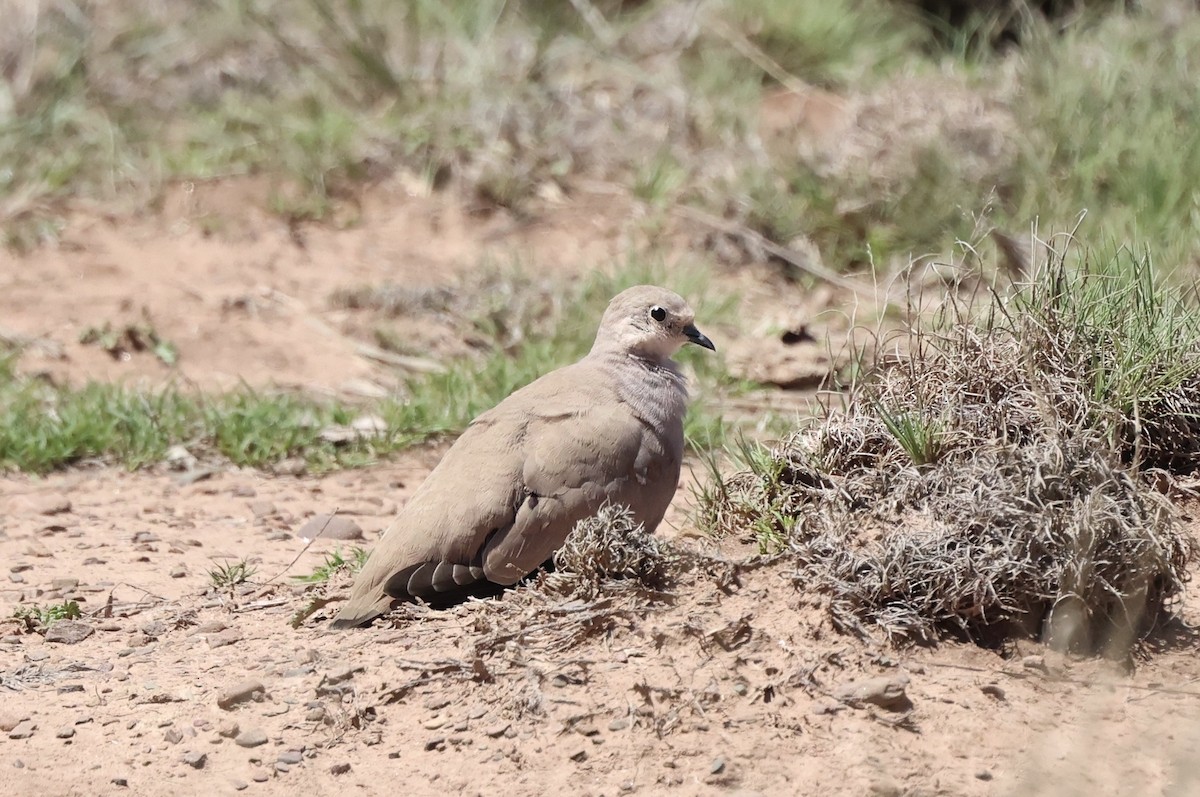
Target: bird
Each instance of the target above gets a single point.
(605, 429)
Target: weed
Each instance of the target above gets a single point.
(231, 574)
(334, 563)
(35, 617)
(1002, 480)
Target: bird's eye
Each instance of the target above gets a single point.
(658, 313)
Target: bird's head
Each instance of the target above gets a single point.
(649, 322)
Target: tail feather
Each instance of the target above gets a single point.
(360, 611)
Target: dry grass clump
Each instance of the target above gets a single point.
(609, 552)
(1003, 479)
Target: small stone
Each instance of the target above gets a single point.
(68, 632)
(68, 689)
(243, 491)
(993, 690)
(251, 737)
(194, 760)
(339, 769)
(178, 571)
(887, 692)
(64, 584)
(227, 637)
(293, 466)
(717, 766)
(65, 732)
(16, 578)
(123, 782)
(228, 729)
(587, 729)
(476, 712)
(9, 721)
(37, 655)
(291, 757)
(434, 722)
(885, 788)
(983, 774)
(497, 730)
(435, 743)
(259, 777)
(108, 625)
(316, 714)
(1035, 663)
(262, 509)
(240, 693)
(24, 730)
(212, 627)
(173, 736)
(340, 674)
(330, 527)
(239, 785)
(619, 724)
(579, 756)
(282, 767)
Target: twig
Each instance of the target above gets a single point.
(787, 255)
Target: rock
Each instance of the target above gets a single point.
(339, 769)
(983, 774)
(993, 690)
(262, 509)
(887, 692)
(109, 625)
(717, 766)
(194, 760)
(243, 491)
(587, 729)
(260, 777)
(291, 757)
(9, 721)
(619, 724)
(123, 782)
(251, 737)
(178, 571)
(37, 655)
(16, 578)
(24, 730)
(64, 584)
(292, 466)
(239, 785)
(885, 788)
(1035, 663)
(227, 637)
(240, 693)
(476, 712)
(228, 729)
(282, 767)
(330, 527)
(340, 674)
(65, 732)
(179, 458)
(578, 756)
(497, 730)
(68, 632)
(173, 736)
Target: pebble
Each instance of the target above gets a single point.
(476, 712)
(291, 757)
(717, 766)
(173, 736)
(578, 756)
(261, 509)
(68, 632)
(983, 774)
(885, 788)
(228, 729)
(64, 584)
(120, 781)
(259, 777)
(339, 769)
(178, 571)
(37, 655)
(619, 724)
(24, 730)
(887, 692)
(250, 689)
(9, 721)
(1035, 663)
(194, 760)
(108, 625)
(251, 737)
(993, 690)
(65, 732)
(498, 730)
(282, 767)
(239, 785)
(227, 637)
(330, 527)
(243, 491)
(16, 578)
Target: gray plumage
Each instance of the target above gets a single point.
(608, 428)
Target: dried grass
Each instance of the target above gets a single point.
(1004, 478)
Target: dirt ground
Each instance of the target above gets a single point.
(736, 685)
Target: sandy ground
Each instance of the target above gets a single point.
(735, 685)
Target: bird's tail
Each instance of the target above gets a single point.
(360, 610)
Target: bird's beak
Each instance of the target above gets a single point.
(699, 338)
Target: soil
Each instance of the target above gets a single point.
(735, 684)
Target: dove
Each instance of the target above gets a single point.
(605, 429)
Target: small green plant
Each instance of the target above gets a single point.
(230, 575)
(335, 563)
(43, 617)
(921, 437)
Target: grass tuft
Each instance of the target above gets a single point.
(1004, 478)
